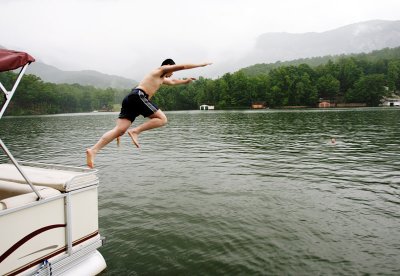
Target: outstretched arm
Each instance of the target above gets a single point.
(178, 67)
(176, 82)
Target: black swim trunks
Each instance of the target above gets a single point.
(136, 103)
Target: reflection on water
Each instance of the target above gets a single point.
(238, 192)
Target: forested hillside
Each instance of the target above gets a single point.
(358, 78)
(33, 96)
(363, 78)
(52, 74)
(359, 37)
(374, 56)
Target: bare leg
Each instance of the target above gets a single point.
(158, 119)
(118, 130)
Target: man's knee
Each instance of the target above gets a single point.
(164, 120)
(161, 116)
(120, 130)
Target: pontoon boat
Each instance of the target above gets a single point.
(48, 213)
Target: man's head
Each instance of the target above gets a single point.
(168, 61)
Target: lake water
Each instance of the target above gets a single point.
(238, 192)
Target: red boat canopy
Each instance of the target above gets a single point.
(10, 60)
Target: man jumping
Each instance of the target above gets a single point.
(138, 102)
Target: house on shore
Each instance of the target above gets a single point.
(393, 100)
(325, 104)
(258, 105)
(206, 107)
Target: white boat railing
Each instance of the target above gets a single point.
(8, 95)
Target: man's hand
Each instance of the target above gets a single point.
(189, 80)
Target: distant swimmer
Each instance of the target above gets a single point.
(138, 102)
(333, 141)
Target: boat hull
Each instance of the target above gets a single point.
(59, 232)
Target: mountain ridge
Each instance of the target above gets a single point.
(373, 56)
(353, 38)
(50, 73)
(361, 37)
(94, 78)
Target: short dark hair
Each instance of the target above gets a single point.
(168, 61)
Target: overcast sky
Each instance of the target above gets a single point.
(130, 37)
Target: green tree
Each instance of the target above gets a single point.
(261, 89)
(368, 89)
(349, 73)
(240, 90)
(306, 91)
(393, 75)
(278, 98)
(222, 93)
(328, 87)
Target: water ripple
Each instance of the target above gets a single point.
(239, 192)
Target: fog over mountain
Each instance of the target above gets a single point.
(354, 38)
(50, 73)
(267, 48)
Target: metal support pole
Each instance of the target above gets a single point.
(11, 93)
(69, 223)
(8, 96)
(8, 153)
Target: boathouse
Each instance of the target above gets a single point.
(206, 107)
(258, 105)
(392, 101)
(325, 104)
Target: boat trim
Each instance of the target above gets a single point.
(16, 209)
(69, 247)
(38, 261)
(28, 237)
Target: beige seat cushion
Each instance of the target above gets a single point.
(15, 194)
(10, 189)
(60, 179)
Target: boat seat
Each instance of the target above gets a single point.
(61, 178)
(10, 189)
(15, 194)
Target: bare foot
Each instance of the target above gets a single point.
(118, 140)
(134, 137)
(90, 158)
